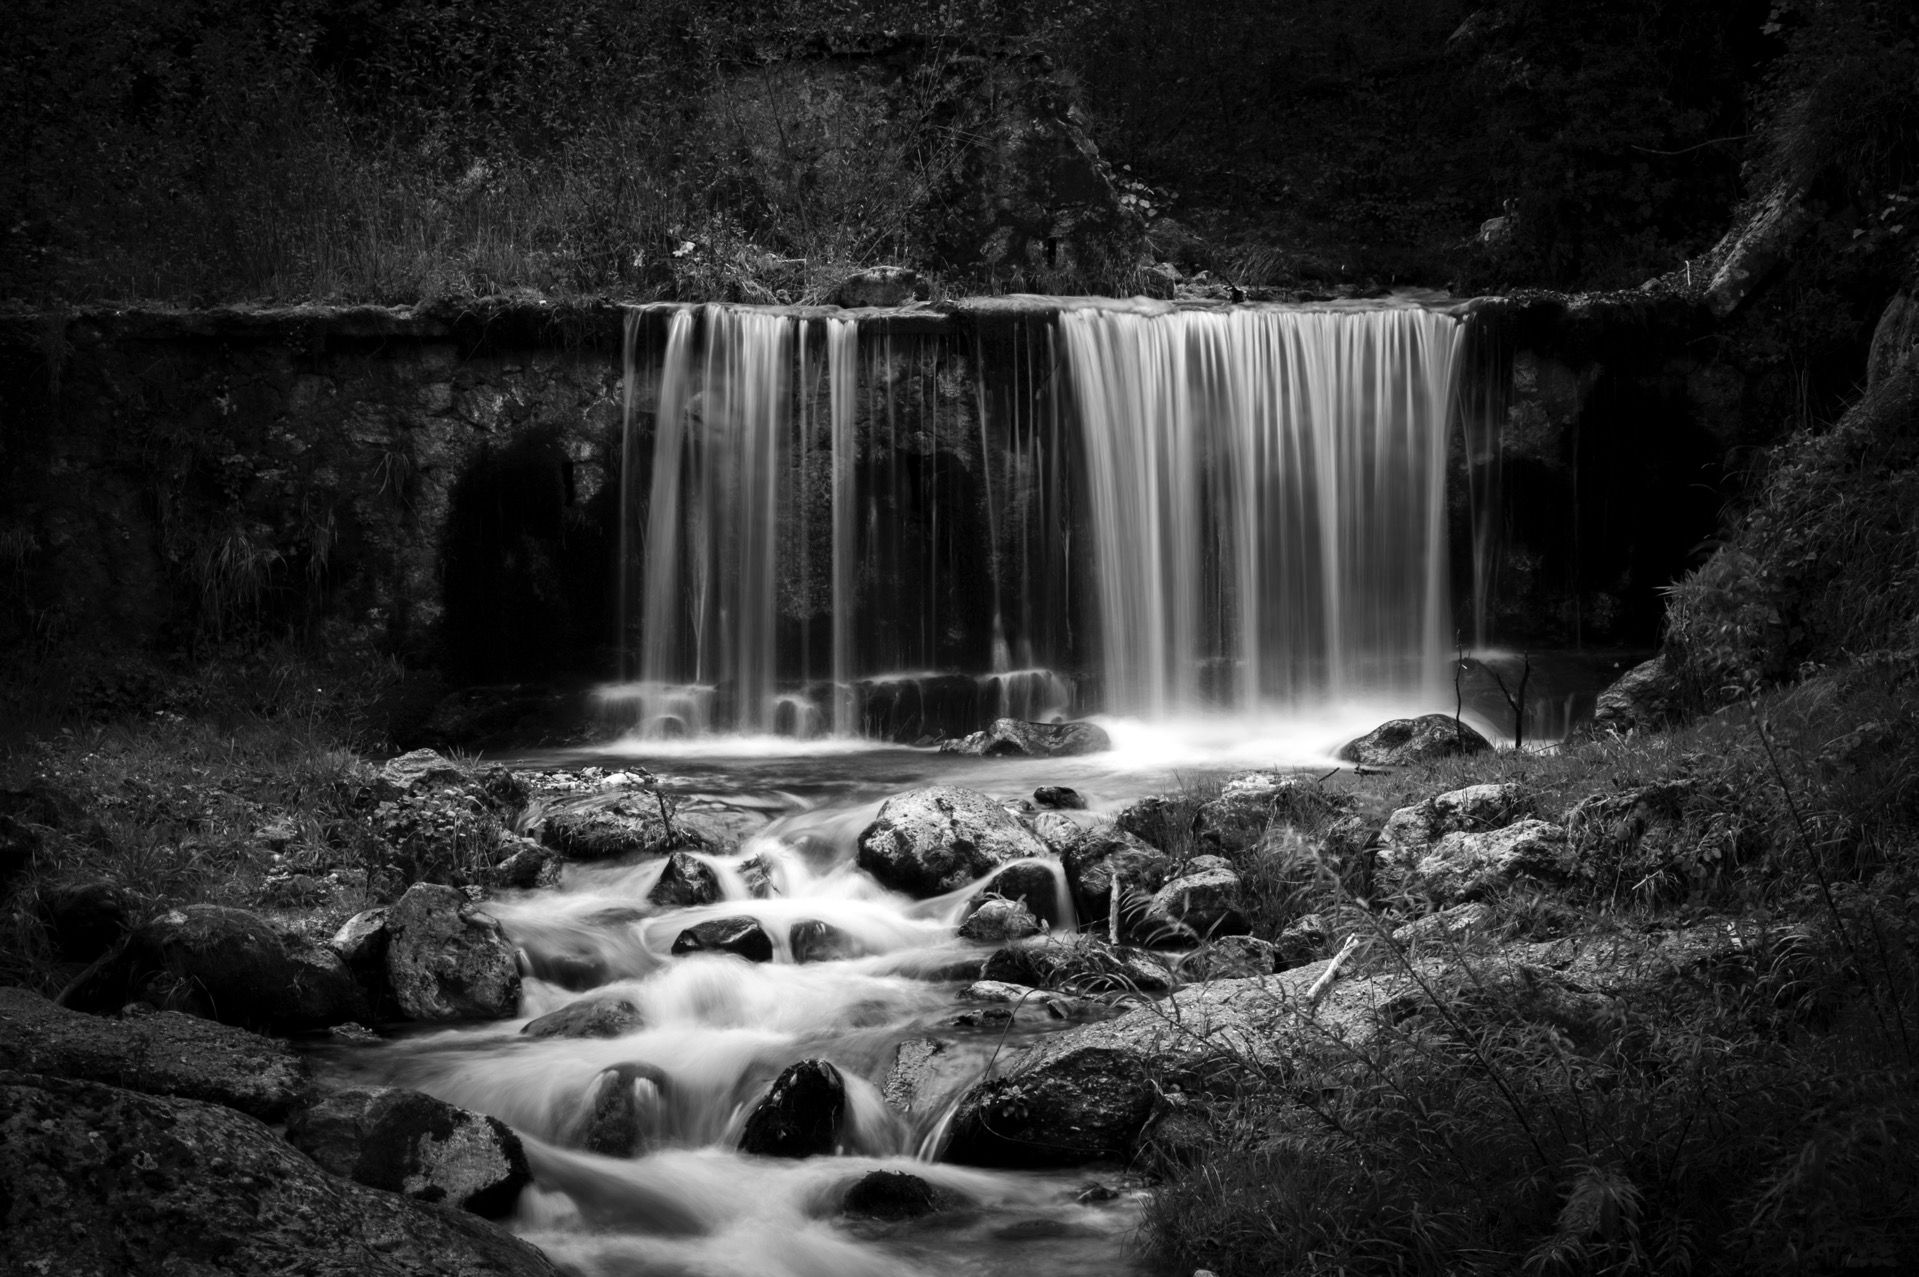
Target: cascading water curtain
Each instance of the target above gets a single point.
(1267, 502)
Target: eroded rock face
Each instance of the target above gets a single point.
(104, 1180)
(1013, 737)
(411, 1143)
(447, 960)
(165, 1053)
(1404, 742)
(927, 842)
(800, 1116)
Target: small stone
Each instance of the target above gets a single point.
(741, 936)
(1059, 796)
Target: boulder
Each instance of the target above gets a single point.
(892, 1195)
(743, 937)
(1013, 737)
(103, 1180)
(1406, 742)
(996, 921)
(622, 823)
(447, 960)
(927, 842)
(411, 1143)
(1075, 964)
(361, 943)
(524, 864)
(816, 941)
(1645, 698)
(1466, 866)
(1476, 807)
(1058, 832)
(801, 1114)
(1102, 853)
(1033, 884)
(685, 881)
(626, 1107)
(1155, 820)
(419, 772)
(227, 965)
(1201, 901)
(165, 1053)
(1059, 797)
(1249, 804)
(1304, 940)
(591, 1017)
(1088, 1092)
(920, 1078)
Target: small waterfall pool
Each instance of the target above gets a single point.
(717, 1029)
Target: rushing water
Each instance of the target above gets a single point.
(1113, 507)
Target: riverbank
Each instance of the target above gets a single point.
(1673, 1025)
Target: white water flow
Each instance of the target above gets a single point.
(634, 1139)
(1268, 495)
(1143, 511)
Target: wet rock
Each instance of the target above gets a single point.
(1464, 866)
(1074, 964)
(1230, 958)
(361, 943)
(595, 1017)
(877, 286)
(1645, 698)
(164, 1053)
(104, 1180)
(1476, 807)
(1016, 737)
(1202, 901)
(816, 941)
(525, 864)
(741, 936)
(419, 772)
(1405, 742)
(997, 921)
(800, 1116)
(1057, 831)
(84, 919)
(927, 842)
(914, 1085)
(685, 881)
(625, 1110)
(447, 960)
(411, 1143)
(227, 965)
(1060, 797)
(893, 1195)
(1102, 853)
(621, 823)
(1034, 885)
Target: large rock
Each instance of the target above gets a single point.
(1476, 807)
(1013, 737)
(1102, 853)
(1405, 742)
(447, 960)
(591, 1017)
(1467, 866)
(97, 1179)
(623, 823)
(1035, 884)
(411, 1143)
(927, 842)
(685, 881)
(227, 965)
(1645, 698)
(163, 1053)
(419, 772)
(800, 1116)
(996, 921)
(1202, 901)
(743, 937)
(893, 1195)
(626, 1109)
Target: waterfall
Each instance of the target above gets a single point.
(863, 526)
